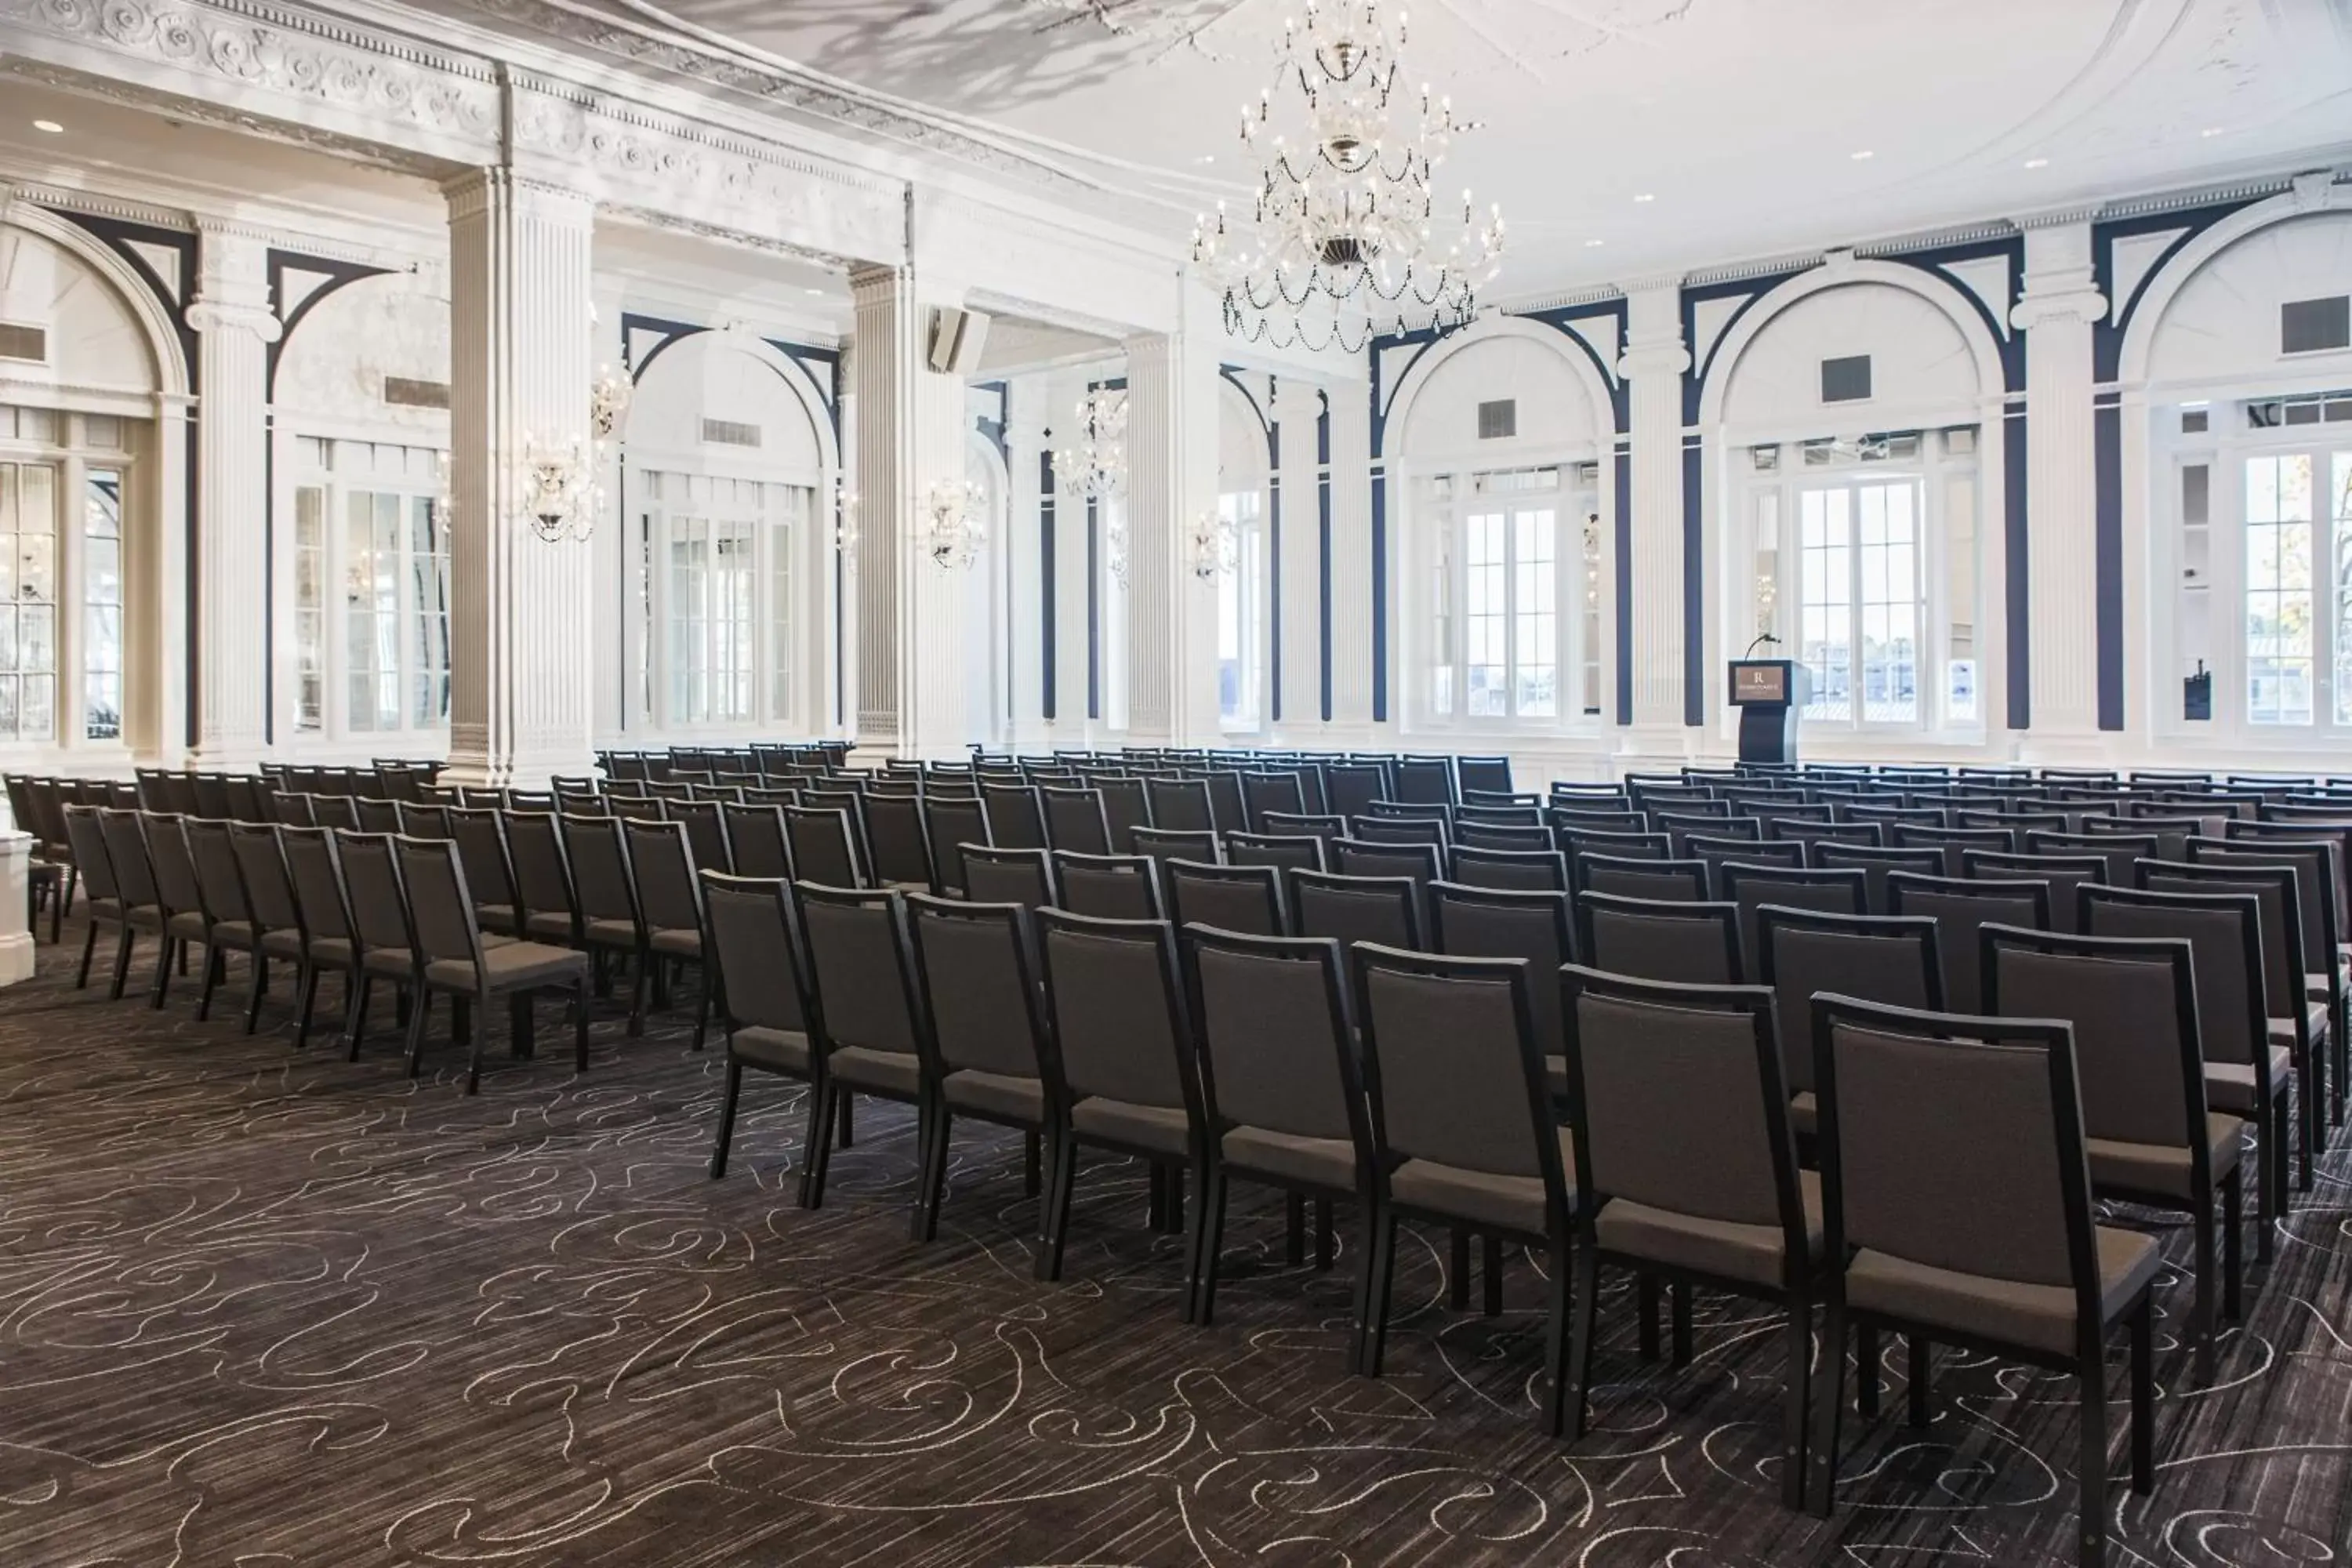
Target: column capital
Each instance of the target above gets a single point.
(2058, 303)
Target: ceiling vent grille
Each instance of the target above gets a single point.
(1846, 380)
(2316, 326)
(1498, 420)
(406, 392)
(18, 342)
(730, 433)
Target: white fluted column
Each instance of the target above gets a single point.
(1295, 406)
(2057, 311)
(1351, 557)
(1171, 379)
(521, 655)
(1655, 359)
(911, 610)
(236, 326)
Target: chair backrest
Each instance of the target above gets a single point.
(1288, 823)
(2132, 1002)
(1855, 834)
(1486, 775)
(1243, 898)
(440, 904)
(1349, 910)
(1679, 825)
(1624, 879)
(1116, 1000)
(421, 820)
(318, 876)
(2062, 873)
(601, 881)
(379, 902)
(1684, 941)
(756, 835)
(1125, 808)
(543, 868)
(1799, 953)
(1107, 887)
(481, 838)
(1378, 829)
(269, 884)
(705, 829)
(1279, 851)
(1161, 844)
(1715, 853)
(1473, 834)
(218, 878)
(1490, 922)
(1953, 843)
(1075, 820)
(2118, 849)
(1272, 1033)
(2225, 952)
(895, 831)
(2313, 864)
(1958, 907)
(1002, 876)
(1453, 1067)
(1350, 787)
(1875, 865)
(1955, 1142)
(760, 963)
(1264, 791)
(1656, 1071)
(1751, 887)
(1532, 870)
(861, 970)
(951, 822)
(2279, 912)
(2338, 835)
(176, 888)
(1420, 863)
(977, 966)
(662, 867)
(1182, 806)
(1015, 819)
(376, 814)
(827, 844)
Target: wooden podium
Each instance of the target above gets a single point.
(1769, 694)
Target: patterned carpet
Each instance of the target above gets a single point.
(258, 1309)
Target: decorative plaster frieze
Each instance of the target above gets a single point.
(66, 198)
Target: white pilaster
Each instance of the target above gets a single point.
(1655, 359)
(1294, 408)
(232, 312)
(17, 956)
(1351, 557)
(521, 656)
(1172, 380)
(2057, 311)
(1024, 440)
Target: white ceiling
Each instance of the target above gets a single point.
(1739, 118)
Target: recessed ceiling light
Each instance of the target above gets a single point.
(49, 126)
(1863, 156)
(2037, 162)
(2210, 130)
(1594, 244)
(1645, 196)
(816, 290)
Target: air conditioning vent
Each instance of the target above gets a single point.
(730, 433)
(1764, 459)
(1845, 380)
(23, 342)
(405, 392)
(2196, 421)
(2316, 326)
(1498, 420)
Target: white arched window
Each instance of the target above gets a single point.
(1851, 451)
(723, 468)
(2250, 374)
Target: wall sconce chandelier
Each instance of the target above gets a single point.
(558, 489)
(1216, 549)
(1341, 243)
(608, 401)
(844, 526)
(1096, 469)
(955, 533)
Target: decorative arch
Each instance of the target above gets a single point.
(1600, 403)
(172, 373)
(1722, 361)
(813, 399)
(2143, 313)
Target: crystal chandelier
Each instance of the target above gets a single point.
(955, 533)
(1096, 469)
(1342, 245)
(1216, 546)
(559, 492)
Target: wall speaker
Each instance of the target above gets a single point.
(956, 340)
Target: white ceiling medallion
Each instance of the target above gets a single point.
(1342, 243)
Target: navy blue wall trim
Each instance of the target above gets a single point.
(2017, 532)
(2108, 472)
(1747, 291)
(340, 275)
(1379, 594)
(1694, 583)
(1623, 528)
(1045, 581)
(665, 332)
(1612, 309)
(1323, 544)
(995, 428)
(2011, 248)
(1094, 609)
(822, 366)
(2107, 335)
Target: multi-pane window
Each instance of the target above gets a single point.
(28, 601)
(2280, 630)
(1859, 608)
(102, 598)
(1240, 665)
(1506, 623)
(371, 589)
(719, 597)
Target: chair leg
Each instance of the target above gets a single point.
(1325, 1246)
(420, 1010)
(2306, 1108)
(1171, 1218)
(89, 950)
(1059, 1193)
(702, 1009)
(2093, 1503)
(162, 982)
(1457, 1271)
(1556, 1341)
(216, 971)
(637, 993)
(2233, 1202)
(477, 1036)
(1829, 1404)
(726, 1118)
(1380, 1265)
(820, 1148)
(259, 987)
(2266, 1147)
(2202, 1310)
(1584, 1310)
(1490, 1274)
(356, 986)
(1797, 1385)
(1865, 1370)
(580, 994)
(1208, 1244)
(849, 1124)
(933, 1190)
(1917, 1387)
(306, 986)
(122, 964)
(1032, 1174)
(2143, 1396)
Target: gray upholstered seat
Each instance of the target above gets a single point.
(452, 954)
(778, 1050)
(1159, 1129)
(2018, 1312)
(1729, 1249)
(1515, 1202)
